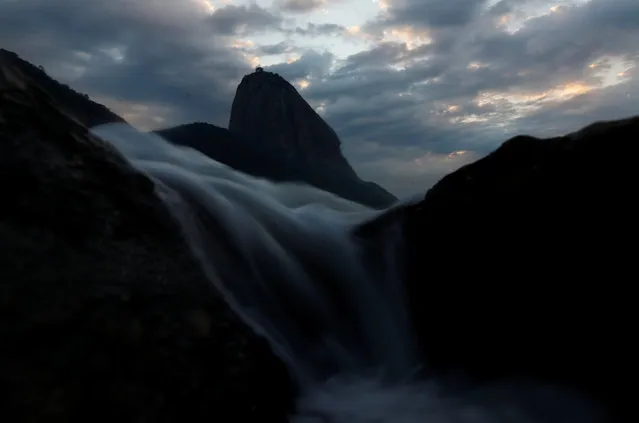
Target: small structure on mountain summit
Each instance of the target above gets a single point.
(259, 69)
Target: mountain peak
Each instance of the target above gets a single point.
(268, 107)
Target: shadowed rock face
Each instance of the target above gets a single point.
(105, 315)
(272, 118)
(267, 107)
(520, 264)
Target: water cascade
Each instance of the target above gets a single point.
(285, 260)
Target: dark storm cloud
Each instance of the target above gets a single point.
(171, 56)
(312, 29)
(431, 13)
(310, 65)
(508, 6)
(615, 102)
(243, 20)
(300, 6)
(565, 41)
(272, 49)
(380, 55)
(548, 51)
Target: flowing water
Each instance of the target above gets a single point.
(283, 257)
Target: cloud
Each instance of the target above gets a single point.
(405, 83)
(310, 65)
(167, 55)
(483, 73)
(301, 6)
(279, 48)
(312, 29)
(235, 20)
(431, 13)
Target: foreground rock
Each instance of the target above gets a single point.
(520, 264)
(105, 316)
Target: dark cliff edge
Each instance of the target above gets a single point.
(104, 314)
(80, 105)
(519, 265)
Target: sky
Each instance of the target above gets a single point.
(414, 88)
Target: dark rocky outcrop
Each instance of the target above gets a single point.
(521, 264)
(267, 107)
(80, 105)
(267, 110)
(104, 314)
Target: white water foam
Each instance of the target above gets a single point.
(283, 256)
